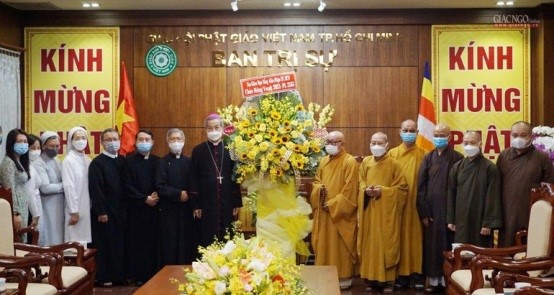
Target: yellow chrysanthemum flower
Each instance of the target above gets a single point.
(258, 137)
(275, 115)
(244, 124)
(264, 146)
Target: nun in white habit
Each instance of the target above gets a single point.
(51, 188)
(75, 182)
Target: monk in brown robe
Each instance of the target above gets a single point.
(473, 205)
(381, 200)
(410, 156)
(431, 205)
(522, 167)
(334, 203)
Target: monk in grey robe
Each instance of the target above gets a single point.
(473, 206)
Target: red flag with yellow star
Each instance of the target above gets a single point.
(126, 118)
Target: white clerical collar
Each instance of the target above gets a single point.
(109, 155)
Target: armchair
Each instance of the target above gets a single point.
(539, 247)
(70, 279)
(20, 268)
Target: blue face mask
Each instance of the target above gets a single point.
(440, 142)
(144, 147)
(21, 148)
(113, 146)
(408, 137)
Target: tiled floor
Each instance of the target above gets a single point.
(357, 288)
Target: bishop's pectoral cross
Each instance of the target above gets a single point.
(220, 178)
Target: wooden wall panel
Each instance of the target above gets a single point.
(12, 26)
(358, 139)
(372, 96)
(383, 50)
(197, 53)
(373, 88)
(181, 99)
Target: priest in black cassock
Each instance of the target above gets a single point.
(178, 240)
(107, 210)
(216, 196)
(142, 227)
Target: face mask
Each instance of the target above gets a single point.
(20, 148)
(144, 147)
(80, 144)
(378, 150)
(215, 135)
(176, 147)
(51, 153)
(519, 143)
(34, 154)
(408, 137)
(113, 146)
(471, 150)
(332, 149)
(440, 142)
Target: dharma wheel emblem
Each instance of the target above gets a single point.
(161, 60)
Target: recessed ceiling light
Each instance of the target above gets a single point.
(86, 5)
(287, 4)
(296, 4)
(95, 5)
(510, 3)
(500, 3)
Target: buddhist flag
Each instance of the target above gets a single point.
(126, 116)
(426, 119)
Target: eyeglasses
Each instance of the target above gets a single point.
(338, 142)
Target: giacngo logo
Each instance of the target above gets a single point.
(161, 60)
(515, 21)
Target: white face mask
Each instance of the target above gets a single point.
(215, 135)
(471, 150)
(34, 154)
(519, 143)
(332, 149)
(378, 150)
(176, 147)
(80, 144)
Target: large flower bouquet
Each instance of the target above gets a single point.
(275, 135)
(240, 266)
(543, 139)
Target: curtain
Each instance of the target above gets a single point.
(10, 94)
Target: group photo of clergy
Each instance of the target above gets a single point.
(390, 218)
(385, 218)
(140, 212)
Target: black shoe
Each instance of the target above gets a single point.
(435, 289)
(402, 282)
(419, 287)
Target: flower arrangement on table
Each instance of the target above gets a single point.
(272, 138)
(240, 266)
(274, 134)
(543, 139)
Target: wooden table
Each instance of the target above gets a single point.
(321, 280)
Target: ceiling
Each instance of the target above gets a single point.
(260, 4)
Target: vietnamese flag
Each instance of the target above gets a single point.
(126, 118)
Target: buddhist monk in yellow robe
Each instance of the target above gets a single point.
(334, 203)
(382, 195)
(410, 157)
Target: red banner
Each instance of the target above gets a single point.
(268, 84)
